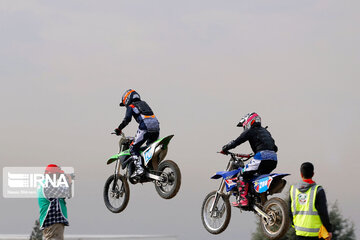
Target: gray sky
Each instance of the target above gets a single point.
(201, 65)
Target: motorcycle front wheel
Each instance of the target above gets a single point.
(278, 211)
(116, 193)
(216, 221)
(169, 186)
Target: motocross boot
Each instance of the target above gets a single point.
(139, 170)
(242, 200)
(243, 195)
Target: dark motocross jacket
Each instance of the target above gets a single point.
(260, 139)
(143, 114)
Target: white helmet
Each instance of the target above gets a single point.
(248, 120)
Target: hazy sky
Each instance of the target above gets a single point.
(201, 65)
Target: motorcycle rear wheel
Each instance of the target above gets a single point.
(116, 199)
(277, 209)
(171, 175)
(221, 216)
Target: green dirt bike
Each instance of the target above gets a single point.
(165, 174)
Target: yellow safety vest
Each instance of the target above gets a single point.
(306, 219)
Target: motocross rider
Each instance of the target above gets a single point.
(148, 126)
(264, 148)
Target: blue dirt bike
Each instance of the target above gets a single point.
(273, 213)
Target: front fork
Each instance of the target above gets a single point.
(220, 191)
(218, 194)
(116, 173)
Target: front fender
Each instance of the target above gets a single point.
(115, 157)
(230, 178)
(226, 174)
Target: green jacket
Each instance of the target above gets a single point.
(45, 203)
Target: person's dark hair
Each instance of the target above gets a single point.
(307, 170)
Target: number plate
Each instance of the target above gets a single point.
(147, 155)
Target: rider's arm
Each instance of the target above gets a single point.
(127, 118)
(321, 206)
(234, 143)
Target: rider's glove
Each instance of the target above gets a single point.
(117, 131)
(224, 152)
(225, 148)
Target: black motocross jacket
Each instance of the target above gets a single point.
(260, 139)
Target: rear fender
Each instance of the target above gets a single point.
(165, 141)
(162, 148)
(277, 185)
(157, 150)
(273, 183)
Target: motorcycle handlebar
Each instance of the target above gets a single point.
(244, 155)
(240, 155)
(121, 134)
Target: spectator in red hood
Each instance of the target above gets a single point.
(53, 210)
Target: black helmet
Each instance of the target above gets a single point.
(248, 120)
(128, 97)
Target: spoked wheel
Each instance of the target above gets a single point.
(171, 179)
(216, 221)
(277, 209)
(116, 193)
